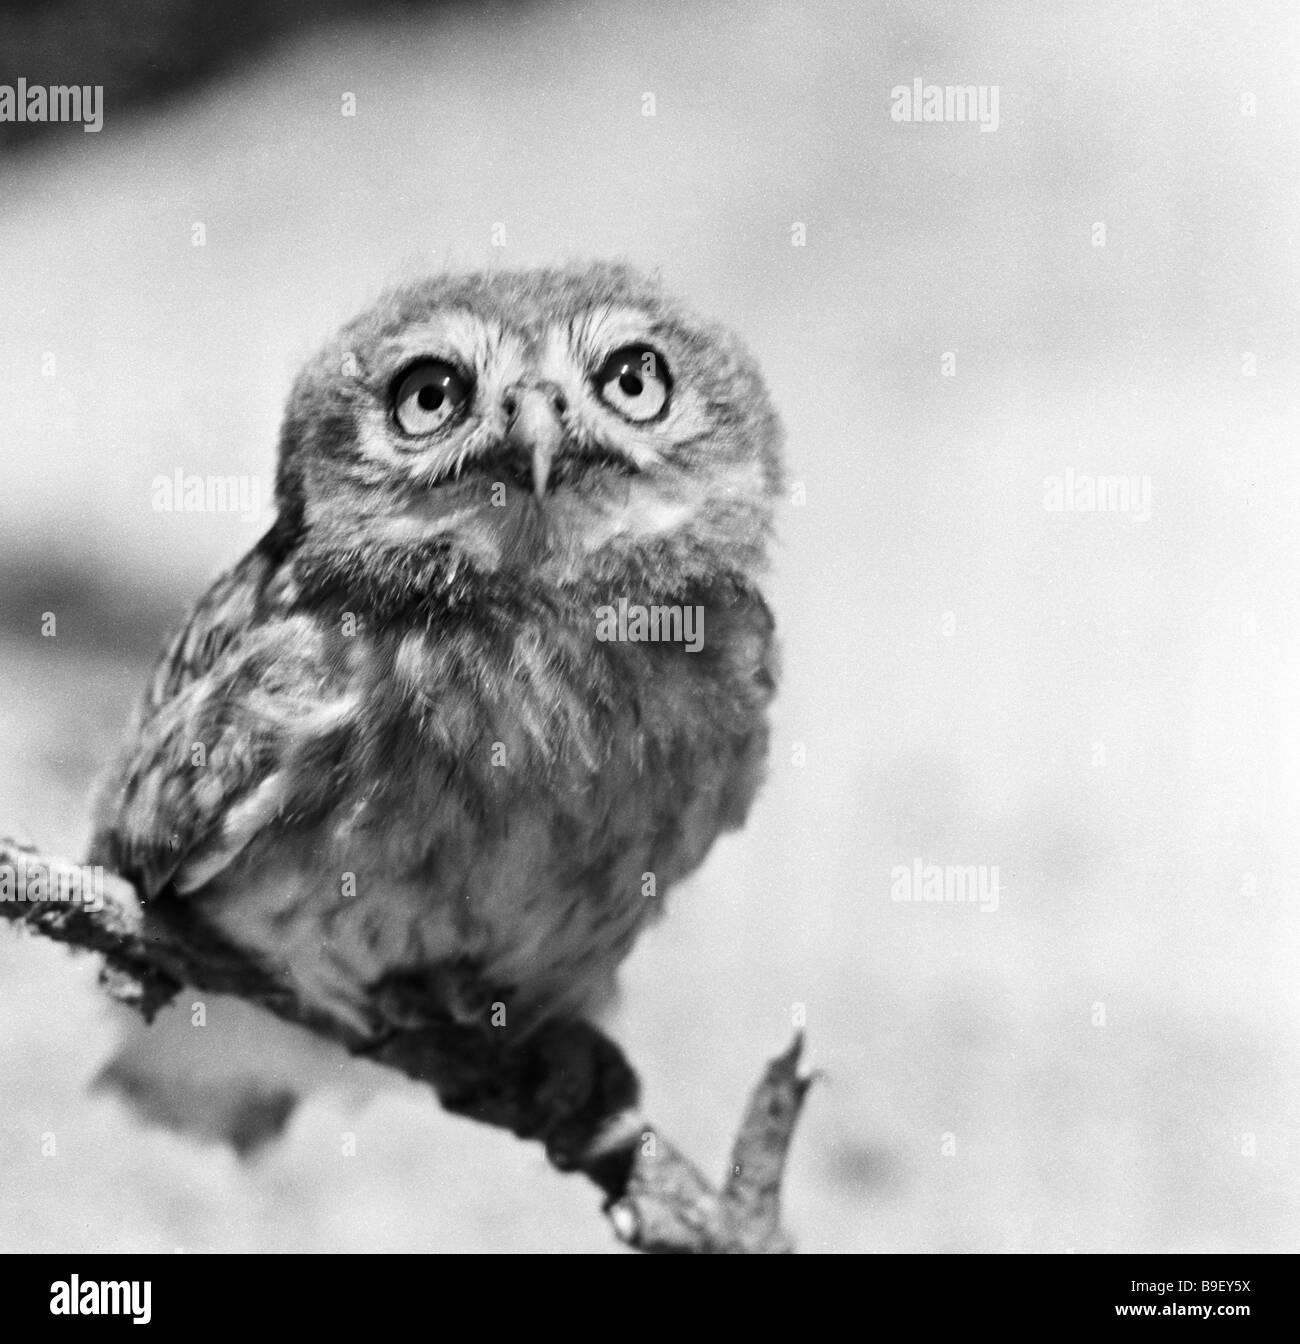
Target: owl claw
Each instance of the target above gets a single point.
(447, 993)
(401, 1006)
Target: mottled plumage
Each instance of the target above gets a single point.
(389, 741)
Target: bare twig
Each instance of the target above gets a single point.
(566, 1085)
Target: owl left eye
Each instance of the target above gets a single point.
(634, 381)
(428, 396)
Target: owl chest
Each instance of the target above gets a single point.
(522, 807)
(550, 710)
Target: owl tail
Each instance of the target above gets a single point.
(221, 1071)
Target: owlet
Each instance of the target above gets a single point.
(496, 677)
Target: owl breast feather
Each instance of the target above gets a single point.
(519, 800)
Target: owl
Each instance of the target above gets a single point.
(497, 676)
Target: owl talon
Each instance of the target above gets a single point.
(403, 1006)
(446, 994)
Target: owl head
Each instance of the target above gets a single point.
(561, 427)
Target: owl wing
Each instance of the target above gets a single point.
(203, 774)
(720, 791)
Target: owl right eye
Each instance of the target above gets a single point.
(428, 396)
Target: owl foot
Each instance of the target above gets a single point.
(561, 1083)
(451, 992)
(587, 1088)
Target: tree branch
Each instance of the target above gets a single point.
(566, 1084)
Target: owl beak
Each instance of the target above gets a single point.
(535, 429)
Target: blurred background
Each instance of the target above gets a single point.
(1100, 706)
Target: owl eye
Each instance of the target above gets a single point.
(428, 395)
(634, 381)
